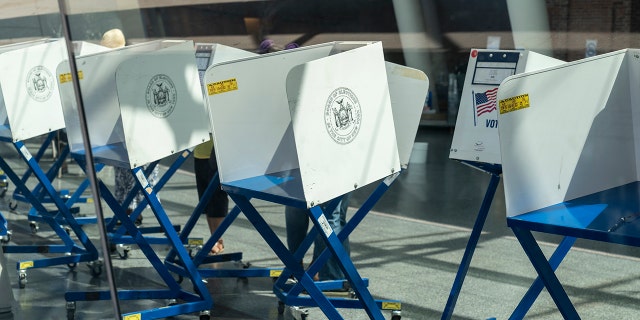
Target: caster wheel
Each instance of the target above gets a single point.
(3, 192)
(180, 279)
(96, 271)
(205, 315)
(6, 238)
(172, 302)
(280, 307)
(13, 206)
(395, 315)
(71, 310)
(72, 265)
(123, 252)
(34, 227)
(95, 267)
(22, 279)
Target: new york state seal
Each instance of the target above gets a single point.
(342, 115)
(161, 96)
(40, 83)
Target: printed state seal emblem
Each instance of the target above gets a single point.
(40, 83)
(342, 115)
(161, 96)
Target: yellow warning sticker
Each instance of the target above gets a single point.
(514, 103)
(66, 77)
(26, 265)
(195, 241)
(222, 86)
(391, 305)
(274, 273)
(136, 316)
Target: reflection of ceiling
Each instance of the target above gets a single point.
(390, 41)
(23, 8)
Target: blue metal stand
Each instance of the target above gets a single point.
(202, 256)
(603, 216)
(546, 273)
(495, 173)
(197, 301)
(527, 300)
(537, 286)
(117, 234)
(274, 188)
(73, 253)
(39, 190)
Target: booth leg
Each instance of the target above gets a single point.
(471, 246)
(345, 263)
(545, 272)
(536, 287)
(285, 256)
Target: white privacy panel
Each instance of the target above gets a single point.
(30, 101)
(322, 113)
(250, 112)
(568, 131)
(406, 87)
(342, 122)
(476, 133)
(142, 102)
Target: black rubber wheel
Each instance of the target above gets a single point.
(96, 271)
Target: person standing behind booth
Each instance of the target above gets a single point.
(297, 219)
(205, 168)
(297, 224)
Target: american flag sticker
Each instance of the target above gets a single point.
(485, 102)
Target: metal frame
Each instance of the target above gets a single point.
(596, 226)
(536, 287)
(202, 256)
(73, 252)
(495, 171)
(117, 235)
(198, 301)
(289, 295)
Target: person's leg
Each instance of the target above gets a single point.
(337, 219)
(297, 224)
(218, 206)
(204, 174)
(124, 183)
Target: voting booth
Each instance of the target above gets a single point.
(269, 112)
(123, 134)
(303, 127)
(569, 149)
(208, 54)
(142, 103)
(475, 140)
(476, 134)
(30, 106)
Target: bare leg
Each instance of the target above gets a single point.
(214, 223)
